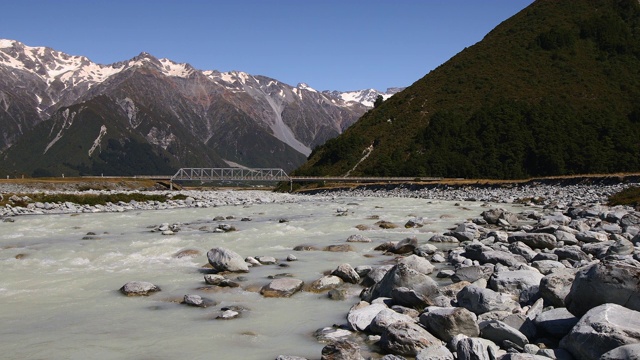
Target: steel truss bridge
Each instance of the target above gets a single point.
(272, 175)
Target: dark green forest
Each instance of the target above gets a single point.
(551, 91)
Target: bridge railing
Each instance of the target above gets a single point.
(238, 174)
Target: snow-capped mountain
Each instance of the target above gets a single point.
(180, 115)
(365, 97)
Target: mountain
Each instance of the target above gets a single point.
(65, 114)
(551, 91)
(366, 97)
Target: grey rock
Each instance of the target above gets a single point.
(346, 273)
(222, 259)
(406, 339)
(591, 236)
(358, 238)
(439, 238)
(329, 334)
(625, 352)
(325, 283)
(283, 287)
(139, 288)
(558, 354)
(266, 260)
(405, 246)
(499, 332)
(475, 349)
(479, 300)
(602, 329)
(546, 267)
(375, 275)
(447, 322)
(472, 273)
(555, 287)
(403, 276)
(534, 240)
(385, 318)
(556, 322)
(621, 247)
(361, 315)
(597, 249)
(425, 250)
(518, 356)
(522, 249)
(341, 350)
(515, 281)
(566, 237)
(435, 353)
(606, 282)
(418, 263)
(288, 357)
(571, 252)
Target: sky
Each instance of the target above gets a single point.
(328, 44)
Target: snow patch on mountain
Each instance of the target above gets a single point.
(98, 140)
(171, 68)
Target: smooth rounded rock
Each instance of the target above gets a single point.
(139, 288)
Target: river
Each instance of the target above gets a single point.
(59, 287)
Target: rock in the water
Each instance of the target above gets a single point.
(405, 285)
(405, 246)
(330, 334)
(139, 288)
(601, 329)
(358, 238)
(222, 259)
(406, 339)
(283, 287)
(346, 273)
(606, 282)
(341, 350)
(339, 248)
(325, 283)
(447, 322)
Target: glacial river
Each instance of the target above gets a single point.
(59, 295)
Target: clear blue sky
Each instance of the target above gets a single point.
(328, 44)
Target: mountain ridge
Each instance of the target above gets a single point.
(178, 110)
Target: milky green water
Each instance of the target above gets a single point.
(59, 295)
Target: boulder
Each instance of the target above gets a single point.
(555, 287)
(325, 283)
(330, 334)
(418, 263)
(406, 339)
(447, 322)
(534, 240)
(566, 237)
(375, 275)
(435, 353)
(361, 315)
(515, 281)
(502, 334)
(602, 329)
(358, 238)
(139, 288)
(222, 259)
(546, 267)
(197, 301)
(472, 273)
(626, 352)
(341, 350)
(439, 238)
(591, 236)
(283, 287)
(473, 348)
(266, 260)
(606, 282)
(405, 246)
(403, 276)
(556, 322)
(346, 273)
(425, 250)
(480, 300)
(339, 248)
(572, 252)
(385, 318)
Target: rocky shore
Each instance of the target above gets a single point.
(557, 280)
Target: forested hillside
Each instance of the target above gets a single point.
(554, 90)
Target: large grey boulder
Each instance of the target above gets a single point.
(346, 273)
(406, 339)
(572, 252)
(475, 349)
(602, 329)
(502, 334)
(385, 318)
(341, 350)
(606, 282)
(481, 300)
(400, 280)
(534, 240)
(555, 287)
(435, 353)
(472, 273)
(591, 236)
(515, 281)
(325, 283)
(446, 322)
(139, 288)
(626, 352)
(222, 259)
(361, 315)
(283, 287)
(556, 322)
(418, 263)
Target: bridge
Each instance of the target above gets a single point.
(273, 175)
